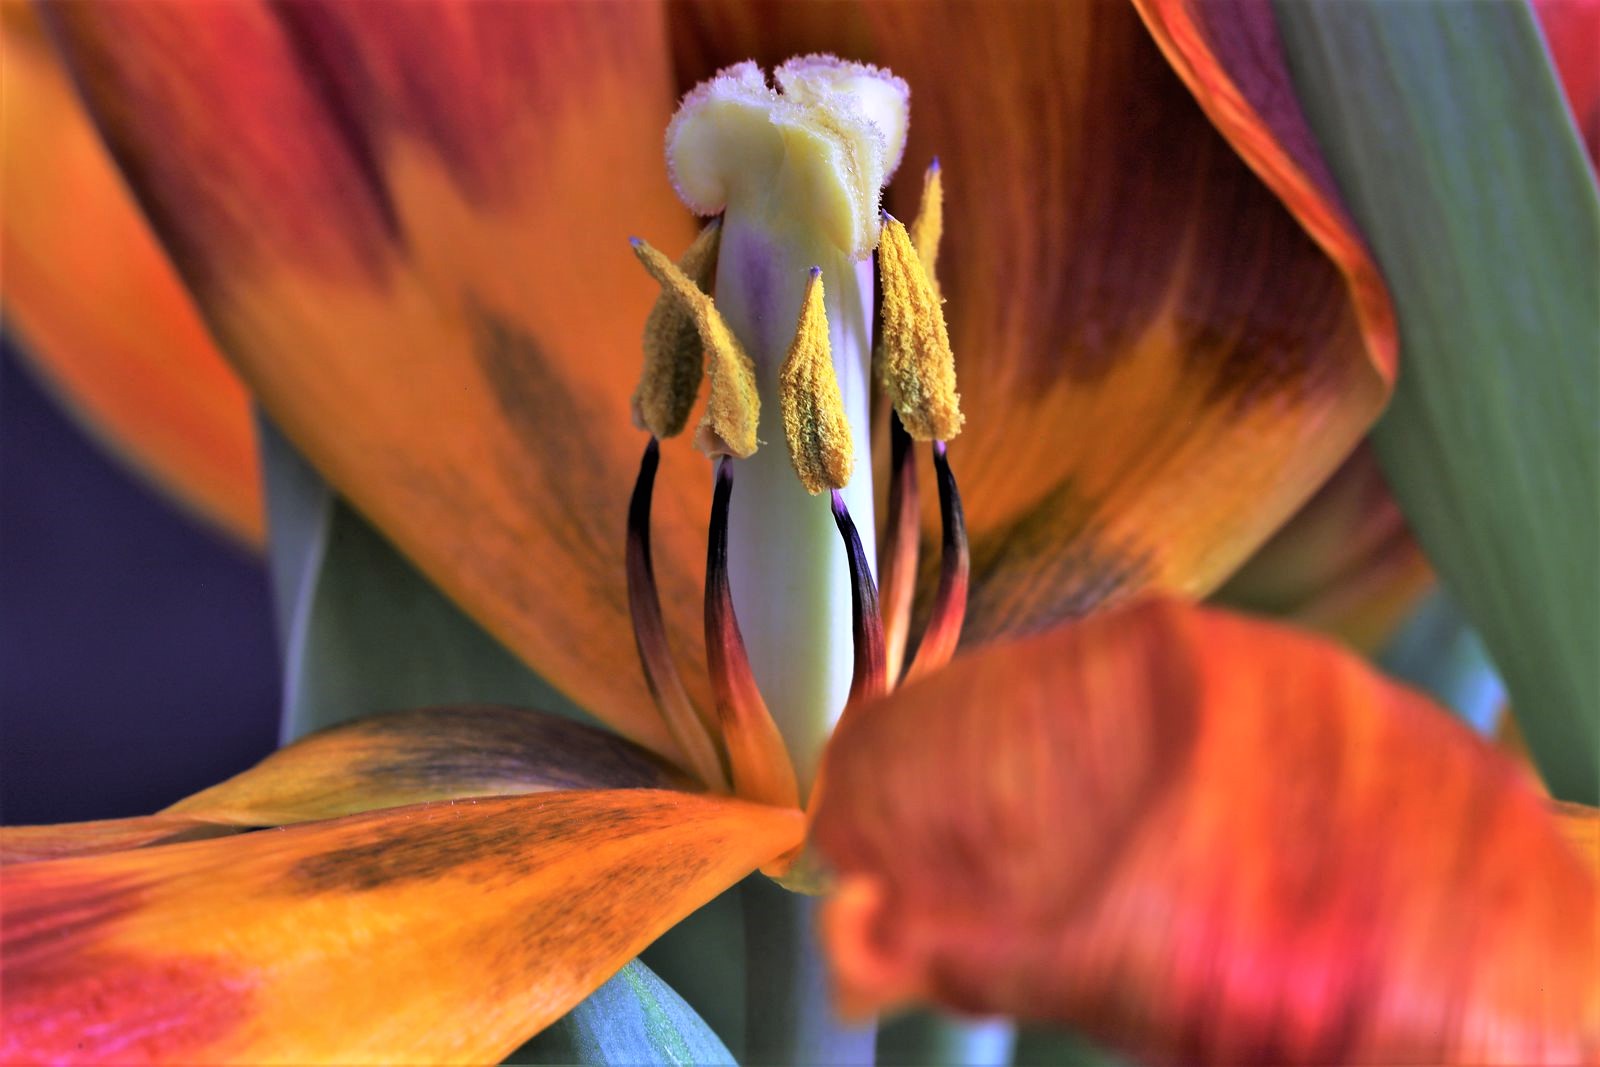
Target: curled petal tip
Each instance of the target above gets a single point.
(934, 166)
(816, 272)
(635, 241)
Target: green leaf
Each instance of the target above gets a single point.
(703, 959)
(1449, 138)
(1038, 1046)
(635, 1018)
(361, 629)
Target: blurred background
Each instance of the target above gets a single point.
(137, 660)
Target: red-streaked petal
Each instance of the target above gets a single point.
(406, 226)
(1207, 839)
(1345, 565)
(1157, 363)
(97, 305)
(443, 932)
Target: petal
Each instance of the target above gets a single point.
(410, 757)
(380, 761)
(98, 305)
(1345, 565)
(24, 844)
(407, 227)
(1206, 839)
(442, 932)
(1158, 361)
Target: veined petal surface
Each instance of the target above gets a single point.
(97, 305)
(1167, 333)
(1206, 839)
(437, 933)
(380, 761)
(407, 226)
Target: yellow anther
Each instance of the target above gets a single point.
(813, 411)
(917, 368)
(734, 408)
(928, 226)
(673, 354)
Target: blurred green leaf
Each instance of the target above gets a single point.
(1450, 141)
(361, 629)
(703, 959)
(1038, 1046)
(635, 1018)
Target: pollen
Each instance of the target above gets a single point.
(674, 360)
(916, 368)
(928, 227)
(734, 407)
(814, 422)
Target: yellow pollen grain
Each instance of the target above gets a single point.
(814, 422)
(928, 227)
(916, 367)
(733, 408)
(674, 359)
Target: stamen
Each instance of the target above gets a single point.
(871, 678)
(918, 369)
(734, 407)
(757, 757)
(899, 563)
(674, 360)
(686, 725)
(814, 422)
(928, 227)
(943, 632)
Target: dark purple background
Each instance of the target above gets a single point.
(137, 660)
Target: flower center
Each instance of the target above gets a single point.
(776, 298)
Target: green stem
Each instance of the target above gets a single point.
(790, 1017)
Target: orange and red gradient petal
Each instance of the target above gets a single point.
(381, 761)
(1206, 839)
(1160, 356)
(96, 304)
(407, 227)
(436, 933)
(1346, 564)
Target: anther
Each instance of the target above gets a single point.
(674, 359)
(871, 677)
(684, 722)
(918, 370)
(734, 407)
(897, 564)
(757, 757)
(928, 227)
(814, 422)
(943, 631)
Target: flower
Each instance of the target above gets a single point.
(403, 267)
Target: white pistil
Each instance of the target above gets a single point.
(797, 176)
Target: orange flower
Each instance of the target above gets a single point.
(1200, 837)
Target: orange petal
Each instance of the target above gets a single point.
(98, 305)
(1163, 348)
(442, 932)
(410, 757)
(24, 844)
(1346, 564)
(1206, 839)
(407, 226)
(381, 761)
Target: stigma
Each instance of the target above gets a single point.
(776, 306)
